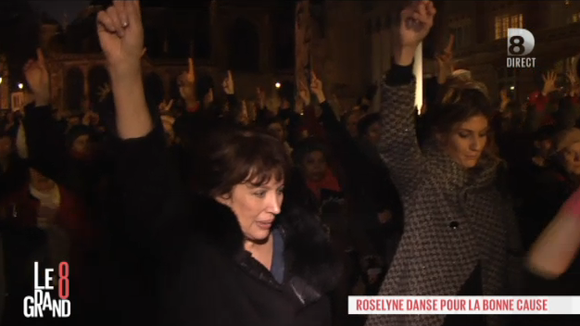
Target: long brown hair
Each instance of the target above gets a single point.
(460, 99)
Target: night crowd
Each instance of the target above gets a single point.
(209, 210)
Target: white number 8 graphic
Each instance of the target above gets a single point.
(520, 42)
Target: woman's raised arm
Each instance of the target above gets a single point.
(147, 179)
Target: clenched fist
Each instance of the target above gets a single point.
(416, 22)
(120, 33)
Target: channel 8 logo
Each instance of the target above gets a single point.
(520, 42)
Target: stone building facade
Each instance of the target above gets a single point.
(240, 37)
(554, 24)
(480, 29)
(350, 46)
(359, 45)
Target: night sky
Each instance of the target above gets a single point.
(57, 9)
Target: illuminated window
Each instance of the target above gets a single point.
(502, 23)
(576, 17)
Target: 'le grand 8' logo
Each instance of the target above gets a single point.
(520, 43)
(41, 303)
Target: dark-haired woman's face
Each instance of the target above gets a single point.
(277, 130)
(81, 145)
(544, 147)
(243, 117)
(208, 98)
(256, 207)
(466, 141)
(374, 133)
(315, 166)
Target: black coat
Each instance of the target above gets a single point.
(217, 282)
(207, 278)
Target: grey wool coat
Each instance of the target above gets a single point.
(454, 218)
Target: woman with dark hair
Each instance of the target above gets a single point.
(242, 258)
(460, 236)
(276, 127)
(350, 120)
(311, 156)
(369, 127)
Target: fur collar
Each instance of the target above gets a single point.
(311, 266)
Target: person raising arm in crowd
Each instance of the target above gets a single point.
(243, 258)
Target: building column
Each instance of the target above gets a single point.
(5, 90)
(85, 103)
(303, 37)
(266, 45)
(166, 78)
(217, 37)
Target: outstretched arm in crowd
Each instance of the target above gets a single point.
(44, 138)
(398, 146)
(229, 89)
(147, 179)
(558, 246)
(121, 36)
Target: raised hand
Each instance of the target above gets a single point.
(505, 100)
(549, 82)
(187, 78)
(316, 87)
(304, 93)
(38, 79)
(165, 106)
(573, 78)
(416, 22)
(261, 96)
(504, 95)
(186, 83)
(445, 61)
(104, 91)
(244, 117)
(167, 122)
(90, 118)
(448, 52)
(120, 33)
(228, 84)
(190, 71)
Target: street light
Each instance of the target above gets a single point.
(20, 86)
(512, 88)
(277, 85)
(0, 80)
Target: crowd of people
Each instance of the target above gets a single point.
(198, 211)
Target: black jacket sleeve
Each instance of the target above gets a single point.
(46, 142)
(152, 196)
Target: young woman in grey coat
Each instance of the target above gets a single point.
(460, 235)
